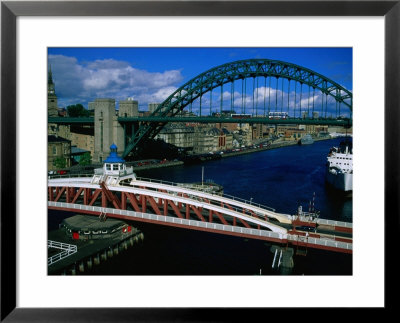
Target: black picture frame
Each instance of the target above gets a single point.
(10, 10)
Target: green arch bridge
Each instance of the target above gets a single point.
(269, 91)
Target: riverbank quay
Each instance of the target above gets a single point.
(84, 240)
(195, 158)
(161, 165)
(274, 145)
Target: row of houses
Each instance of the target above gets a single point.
(193, 138)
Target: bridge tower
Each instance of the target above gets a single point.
(128, 108)
(107, 129)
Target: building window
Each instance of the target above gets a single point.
(115, 167)
(54, 150)
(108, 166)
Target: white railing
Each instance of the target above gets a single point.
(55, 176)
(207, 225)
(68, 249)
(169, 219)
(322, 242)
(335, 223)
(183, 185)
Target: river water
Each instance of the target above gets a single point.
(280, 178)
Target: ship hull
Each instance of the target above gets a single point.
(341, 181)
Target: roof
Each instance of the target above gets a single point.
(113, 156)
(214, 132)
(76, 151)
(225, 131)
(53, 138)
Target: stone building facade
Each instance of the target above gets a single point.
(207, 140)
(83, 140)
(58, 151)
(177, 134)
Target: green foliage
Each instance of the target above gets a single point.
(60, 162)
(85, 159)
(77, 110)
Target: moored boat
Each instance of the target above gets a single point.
(306, 140)
(339, 168)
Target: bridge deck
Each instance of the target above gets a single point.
(181, 198)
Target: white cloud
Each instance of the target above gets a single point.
(76, 82)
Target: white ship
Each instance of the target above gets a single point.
(339, 168)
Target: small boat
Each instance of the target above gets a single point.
(306, 140)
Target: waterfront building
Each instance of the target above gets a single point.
(257, 131)
(231, 127)
(76, 154)
(294, 134)
(203, 140)
(281, 129)
(83, 138)
(243, 138)
(219, 136)
(310, 128)
(227, 139)
(321, 129)
(340, 130)
(58, 152)
(177, 134)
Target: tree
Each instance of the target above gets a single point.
(77, 110)
(60, 162)
(85, 159)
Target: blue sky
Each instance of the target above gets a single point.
(152, 74)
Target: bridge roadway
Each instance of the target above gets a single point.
(84, 193)
(207, 119)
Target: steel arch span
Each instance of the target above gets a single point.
(228, 73)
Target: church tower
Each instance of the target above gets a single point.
(52, 107)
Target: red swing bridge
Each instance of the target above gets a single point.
(114, 191)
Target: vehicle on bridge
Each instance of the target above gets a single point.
(278, 115)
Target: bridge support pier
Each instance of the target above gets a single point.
(283, 259)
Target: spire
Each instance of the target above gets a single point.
(50, 76)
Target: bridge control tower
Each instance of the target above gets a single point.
(114, 170)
